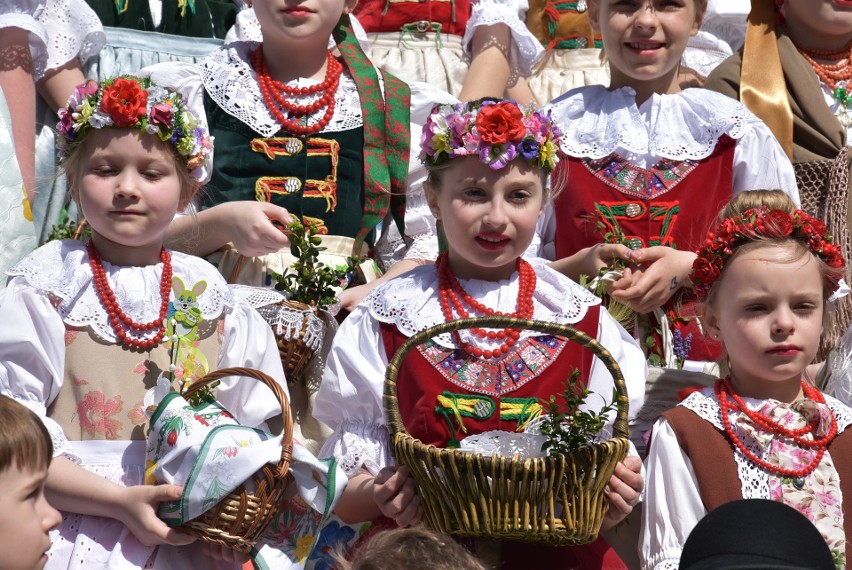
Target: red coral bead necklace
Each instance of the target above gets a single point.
(119, 320)
(275, 96)
(452, 295)
(729, 401)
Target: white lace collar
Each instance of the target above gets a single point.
(411, 301)
(61, 269)
(705, 404)
(231, 82)
(596, 122)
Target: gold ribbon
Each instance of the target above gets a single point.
(762, 86)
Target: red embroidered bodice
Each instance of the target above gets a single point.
(491, 394)
(674, 203)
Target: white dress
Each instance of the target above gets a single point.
(673, 504)
(350, 397)
(52, 289)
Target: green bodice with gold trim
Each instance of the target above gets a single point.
(319, 178)
(211, 19)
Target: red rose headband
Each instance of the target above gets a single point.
(497, 132)
(135, 102)
(754, 224)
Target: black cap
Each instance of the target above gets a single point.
(755, 533)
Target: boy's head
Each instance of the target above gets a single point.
(415, 548)
(25, 515)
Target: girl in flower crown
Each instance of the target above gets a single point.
(90, 328)
(488, 167)
(764, 431)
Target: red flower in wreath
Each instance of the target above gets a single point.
(704, 271)
(500, 123)
(835, 260)
(125, 101)
(780, 222)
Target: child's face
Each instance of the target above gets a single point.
(129, 190)
(489, 216)
(301, 20)
(645, 39)
(814, 22)
(768, 314)
(25, 519)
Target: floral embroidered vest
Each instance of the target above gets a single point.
(101, 395)
(435, 382)
(320, 178)
(645, 206)
(204, 19)
(562, 25)
(415, 16)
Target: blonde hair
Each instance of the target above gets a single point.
(415, 548)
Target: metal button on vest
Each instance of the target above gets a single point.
(634, 243)
(581, 6)
(293, 146)
(633, 210)
(422, 26)
(481, 409)
(292, 185)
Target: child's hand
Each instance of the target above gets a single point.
(138, 511)
(396, 496)
(590, 260)
(219, 552)
(252, 227)
(623, 490)
(665, 271)
(351, 296)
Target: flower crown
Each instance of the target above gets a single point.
(135, 102)
(496, 131)
(753, 224)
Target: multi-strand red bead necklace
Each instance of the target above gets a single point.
(829, 73)
(119, 320)
(453, 295)
(275, 95)
(729, 401)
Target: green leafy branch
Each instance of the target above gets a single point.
(309, 280)
(566, 426)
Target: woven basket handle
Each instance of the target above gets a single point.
(391, 402)
(287, 442)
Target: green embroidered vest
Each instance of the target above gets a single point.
(200, 18)
(318, 178)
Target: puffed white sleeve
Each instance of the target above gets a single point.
(349, 399)
(672, 505)
(73, 31)
(420, 228)
(631, 361)
(525, 50)
(761, 164)
(24, 14)
(248, 342)
(32, 354)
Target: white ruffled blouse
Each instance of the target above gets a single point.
(229, 78)
(32, 338)
(596, 122)
(73, 30)
(24, 14)
(673, 504)
(350, 397)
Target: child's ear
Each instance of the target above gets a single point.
(349, 6)
(432, 200)
(711, 323)
(701, 9)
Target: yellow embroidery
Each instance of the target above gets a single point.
(325, 189)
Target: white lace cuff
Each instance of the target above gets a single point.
(526, 49)
(36, 36)
(357, 445)
(667, 560)
(424, 246)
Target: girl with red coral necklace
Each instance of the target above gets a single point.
(88, 329)
(488, 167)
(764, 431)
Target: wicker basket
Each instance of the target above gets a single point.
(238, 520)
(554, 500)
(299, 340)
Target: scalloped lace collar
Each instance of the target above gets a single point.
(597, 122)
(411, 301)
(61, 269)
